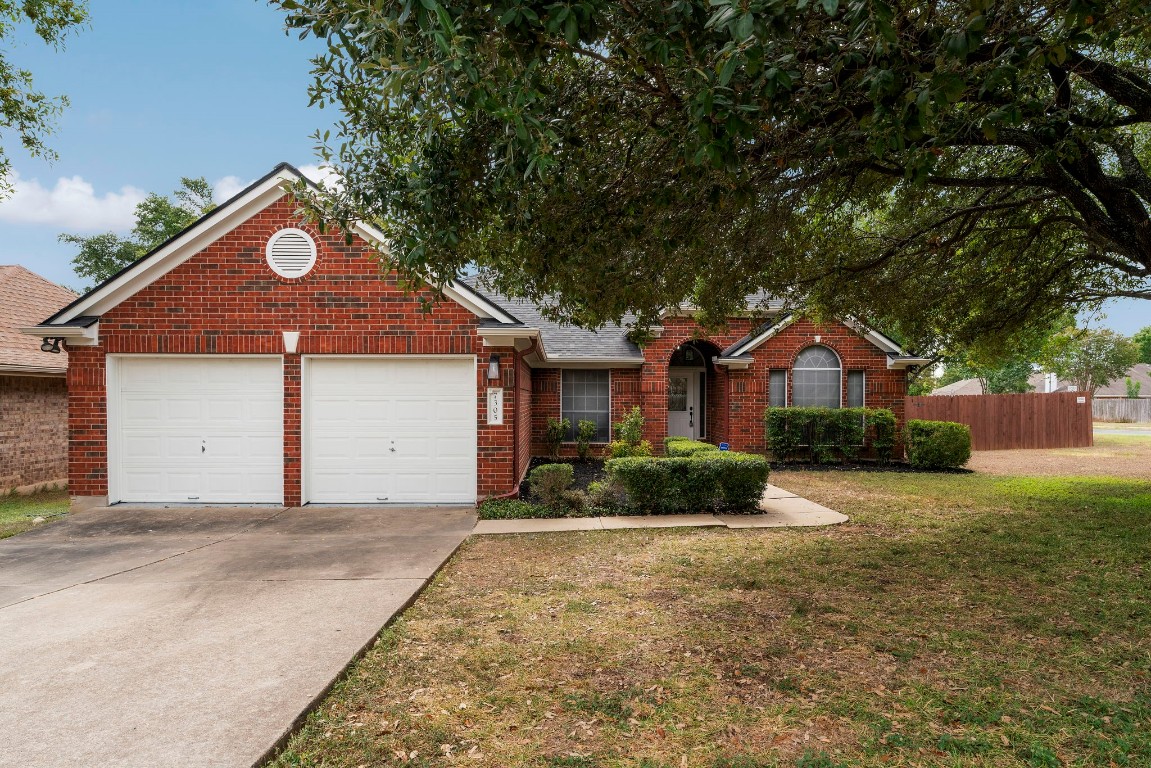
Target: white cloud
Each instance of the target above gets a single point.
(70, 204)
(229, 186)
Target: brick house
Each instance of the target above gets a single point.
(33, 393)
(255, 359)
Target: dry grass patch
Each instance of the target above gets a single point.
(959, 620)
(1111, 456)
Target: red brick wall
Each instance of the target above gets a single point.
(523, 413)
(33, 430)
(738, 398)
(225, 300)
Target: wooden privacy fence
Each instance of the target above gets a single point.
(998, 422)
(1122, 409)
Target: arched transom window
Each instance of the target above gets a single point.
(816, 378)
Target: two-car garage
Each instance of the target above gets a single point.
(211, 429)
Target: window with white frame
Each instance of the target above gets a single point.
(855, 389)
(816, 378)
(585, 395)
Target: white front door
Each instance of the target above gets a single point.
(196, 430)
(398, 430)
(683, 406)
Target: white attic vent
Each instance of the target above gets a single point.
(291, 253)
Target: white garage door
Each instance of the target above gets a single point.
(390, 430)
(197, 430)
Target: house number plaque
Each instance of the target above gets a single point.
(495, 405)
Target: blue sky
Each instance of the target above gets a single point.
(163, 89)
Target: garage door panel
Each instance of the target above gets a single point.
(199, 429)
(358, 410)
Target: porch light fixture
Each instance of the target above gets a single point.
(494, 367)
(291, 341)
(50, 344)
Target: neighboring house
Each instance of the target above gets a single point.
(254, 359)
(961, 387)
(33, 392)
(1049, 382)
(1140, 372)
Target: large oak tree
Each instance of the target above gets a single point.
(955, 171)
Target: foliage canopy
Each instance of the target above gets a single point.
(951, 170)
(25, 112)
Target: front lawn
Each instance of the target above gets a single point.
(958, 620)
(18, 512)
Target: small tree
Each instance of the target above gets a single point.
(1133, 388)
(1089, 358)
(1142, 339)
(585, 433)
(557, 430)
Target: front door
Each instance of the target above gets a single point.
(683, 406)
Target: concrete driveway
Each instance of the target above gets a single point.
(177, 637)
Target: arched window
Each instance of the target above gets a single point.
(816, 378)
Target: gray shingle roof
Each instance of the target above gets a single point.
(563, 342)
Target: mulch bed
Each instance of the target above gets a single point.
(585, 472)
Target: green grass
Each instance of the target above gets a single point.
(17, 512)
(957, 620)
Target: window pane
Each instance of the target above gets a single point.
(815, 388)
(777, 389)
(816, 357)
(586, 396)
(677, 394)
(855, 389)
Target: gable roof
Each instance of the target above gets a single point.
(24, 297)
(211, 227)
(564, 343)
(1140, 372)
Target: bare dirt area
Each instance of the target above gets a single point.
(1111, 456)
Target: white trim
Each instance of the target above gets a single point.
(75, 335)
(846, 384)
(875, 337)
(112, 415)
(748, 346)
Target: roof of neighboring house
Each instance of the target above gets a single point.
(961, 387)
(1140, 372)
(25, 298)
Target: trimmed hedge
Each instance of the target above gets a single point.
(829, 434)
(515, 509)
(682, 446)
(686, 484)
(938, 444)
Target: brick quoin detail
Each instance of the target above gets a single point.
(225, 300)
(738, 398)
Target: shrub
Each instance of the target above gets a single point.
(549, 481)
(695, 483)
(513, 509)
(630, 430)
(828, 433)
(585, 433)
(619, 449)
(686, 447)
(742, 479)
(881, 423)
(938, 444)
(1133, 387)
(554, 434)
(606, 496)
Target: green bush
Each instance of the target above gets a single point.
(514, 509)
(829, 434)
(585, 433)
(619, 449)
(695, 483)
(554, 434)
(605, 497)
(938, 444)
(630, 430)
(685, 447)
(549, 481)
(881, 424)
(674, 439)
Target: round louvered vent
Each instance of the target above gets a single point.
(291, 253)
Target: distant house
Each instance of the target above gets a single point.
(1049, 382)
(33, 391)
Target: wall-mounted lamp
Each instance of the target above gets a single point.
(51, 345)
(291, 341)
(494, 367)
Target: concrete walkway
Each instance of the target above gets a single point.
(780, 509)
(180, 637)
